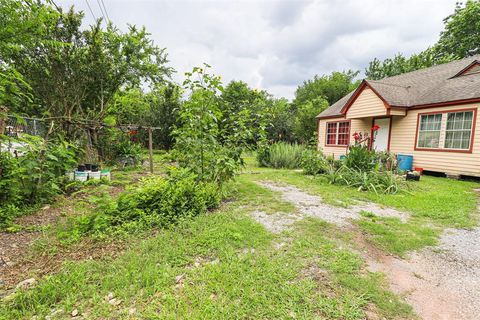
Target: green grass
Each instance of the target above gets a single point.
(434, 204)
(233, 281)
(241, 274)
(396, 237)
(285, 155)
(230, 267)
(444, 201)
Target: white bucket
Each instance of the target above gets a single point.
(105, 174)
(81, 176)
(94, 175)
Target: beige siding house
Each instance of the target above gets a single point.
(430, 114)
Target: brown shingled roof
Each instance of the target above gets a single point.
(437, 84)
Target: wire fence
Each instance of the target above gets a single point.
(87, 134)
(16, 126)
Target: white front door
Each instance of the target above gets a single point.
(383, 134)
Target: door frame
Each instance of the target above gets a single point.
(389, 130)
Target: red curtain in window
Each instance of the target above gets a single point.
(332, 133)
(338, 133)
(343, 133)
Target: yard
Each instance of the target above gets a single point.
(267, 252)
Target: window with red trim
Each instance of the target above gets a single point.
(338, 133)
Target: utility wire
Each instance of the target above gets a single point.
(91, 11)
(101, 10)
(106, 12)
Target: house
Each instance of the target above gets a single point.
(430, 114)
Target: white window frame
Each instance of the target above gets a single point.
(459, 130)
(337, 133)
(443, 131)
(426, 130)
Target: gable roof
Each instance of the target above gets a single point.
(435, 85)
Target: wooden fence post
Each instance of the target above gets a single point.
(3, 119)
(150, 148)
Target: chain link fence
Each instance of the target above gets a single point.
(16, 126)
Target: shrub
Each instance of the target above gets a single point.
(263, 156)
(361, 158)
(158, 201)
(313, 162)
(36, 175)
(7, 214)
(283, 155)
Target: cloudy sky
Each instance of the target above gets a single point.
(275, 45)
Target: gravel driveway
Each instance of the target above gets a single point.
(440, 282)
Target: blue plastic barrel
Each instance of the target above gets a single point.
(342, 157)
(405, 162)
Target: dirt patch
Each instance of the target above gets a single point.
(17, 259)
(439, 283)
(39, 265)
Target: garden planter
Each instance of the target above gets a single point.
(94, 175)
(413, 176)
(81, 176)
(419, 170)
(105, 174)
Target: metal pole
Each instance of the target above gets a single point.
(150, 148)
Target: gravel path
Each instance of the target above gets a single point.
(440, 283)
(312, 206)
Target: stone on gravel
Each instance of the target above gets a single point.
(115, 302)
(179, 278)
(26, 284)
(109, 296)
(74, 313)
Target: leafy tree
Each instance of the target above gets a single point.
(331, 87)
(23, 24)
(461, 37)
(165, 101)
(304, 127)
(400, 64)
(282, 118)
(200, 144)
(79, 78)
(253, 105)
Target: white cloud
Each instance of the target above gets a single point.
(275, 45)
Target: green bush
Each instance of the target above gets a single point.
(36, 175)
(314, 162)
(7, 214)
(263, 156)
(157, 202)
(282, 155)
(361, 158)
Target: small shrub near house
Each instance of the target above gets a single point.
(362, 168)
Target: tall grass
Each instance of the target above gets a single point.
(285, 155)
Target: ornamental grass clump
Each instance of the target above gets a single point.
(282, 155)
